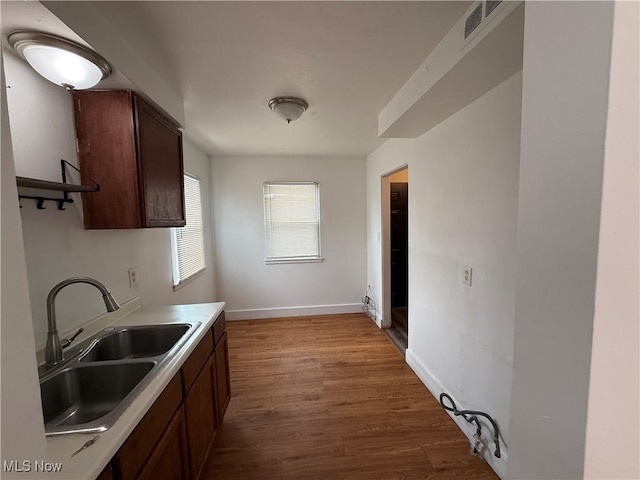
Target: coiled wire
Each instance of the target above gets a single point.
(471, 416)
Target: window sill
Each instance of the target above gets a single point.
(280, 261)
(189, 279)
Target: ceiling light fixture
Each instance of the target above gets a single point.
(60, 61)
(288, 108)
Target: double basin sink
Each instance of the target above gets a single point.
(104, 374)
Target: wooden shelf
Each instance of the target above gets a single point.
(57, 186)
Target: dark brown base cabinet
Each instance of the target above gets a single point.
(169, 458)
(173, 439)
(201, 417)
(199, 401)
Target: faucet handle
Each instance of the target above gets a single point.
(67, 341)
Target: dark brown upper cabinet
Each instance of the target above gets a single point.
(134, 152)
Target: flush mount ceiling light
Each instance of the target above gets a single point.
(60, 61)
(288, 108)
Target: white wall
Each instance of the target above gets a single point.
(22, 424)
(463, 196)
(613, 434)
(567, 48)
(56, 244)
(253, 289)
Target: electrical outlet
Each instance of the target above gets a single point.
(133, 278)
(467, 274)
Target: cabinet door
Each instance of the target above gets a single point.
(106, 155)
(138, 447)
(169, 459)
(161, 169)
(223, 381)
(201, 416)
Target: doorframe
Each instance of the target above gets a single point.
(385, 244)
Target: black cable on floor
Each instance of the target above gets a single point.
(471, 417)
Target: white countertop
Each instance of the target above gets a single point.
(89, 463)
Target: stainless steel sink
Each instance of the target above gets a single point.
(135, 342)
(100, 377)
(84, 394)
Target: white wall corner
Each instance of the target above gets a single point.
(560, 198)
(253, 289)
(612, 448)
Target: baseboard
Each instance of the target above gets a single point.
(252, 314)
(499, 465)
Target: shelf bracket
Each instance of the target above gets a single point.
(65, 187)
(40, 201)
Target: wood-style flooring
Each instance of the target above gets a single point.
(330, 398)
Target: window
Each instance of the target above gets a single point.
(292, 222)
(188, 241)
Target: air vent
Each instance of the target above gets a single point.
(490, 6)
(473, 21)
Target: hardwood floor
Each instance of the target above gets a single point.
(331, 398)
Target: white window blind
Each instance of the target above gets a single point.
(292, 221)
(188, 241)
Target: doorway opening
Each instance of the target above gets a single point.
(395, 211)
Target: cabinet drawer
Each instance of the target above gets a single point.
(195, 362)
(133, 454)
(219, 327)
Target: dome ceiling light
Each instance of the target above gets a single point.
(60, 61)
(288, 108)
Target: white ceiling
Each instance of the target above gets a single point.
(227, 59)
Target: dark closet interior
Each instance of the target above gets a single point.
(399, 223)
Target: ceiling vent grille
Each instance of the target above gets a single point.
(490, 7)
(473, 21)
(478, 16)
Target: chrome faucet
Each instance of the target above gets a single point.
(53, 351)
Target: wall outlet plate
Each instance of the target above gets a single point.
(467, 275)
(133, 278)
